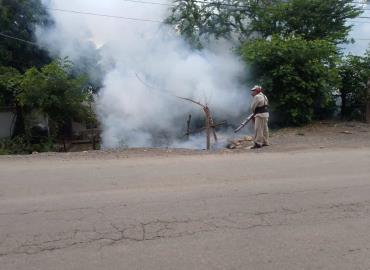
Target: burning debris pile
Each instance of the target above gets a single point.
(240, 143)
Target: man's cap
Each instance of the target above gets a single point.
(256, 87)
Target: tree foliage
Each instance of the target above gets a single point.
(31, 82)
(291, 46)
(245, 19)
(9, 85)
(19, 19)
(354, 72)
(299, 75)
(198, 20)
(309, 19)
(21, 145)
(55, 93)
(51, 90)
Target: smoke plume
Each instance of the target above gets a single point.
(143, 66)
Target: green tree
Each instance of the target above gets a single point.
(9, 85)
(245, 19)
(290, 44)
(54, 92)
(197, 20)
(299, 75)
(309, 19)
(10, 80)
(19, 19)
(354, 72)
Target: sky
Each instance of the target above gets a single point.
(361, 30)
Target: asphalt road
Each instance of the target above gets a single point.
(297, 210)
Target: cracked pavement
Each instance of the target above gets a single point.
(297, 210)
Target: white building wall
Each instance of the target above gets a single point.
(7, 122)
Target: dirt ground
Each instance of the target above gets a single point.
(319, 135)
(301, 203)
(322, 135)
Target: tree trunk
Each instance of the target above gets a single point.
(208, 128)
(19, 126)
(188, 127)
(343, 105)
(367, 116)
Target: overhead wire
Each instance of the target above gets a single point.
(140, 19)
(143, 19)
(157, 21)
(19, 39)
(149, 2)
(103, 15)
(131, 18)
(196, 1)
(217, 2)
(209, 2)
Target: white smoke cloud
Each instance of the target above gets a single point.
(145, 65)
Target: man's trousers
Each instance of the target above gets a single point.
(261, 131)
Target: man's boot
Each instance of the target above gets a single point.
(256, 146)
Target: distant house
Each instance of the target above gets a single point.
(7, 121)
(74, 133)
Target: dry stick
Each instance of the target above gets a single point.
(209, 124)
(188, 126)
(208, 120)
(208, 132)
(213, 128)
(203, 128)
(193, 101)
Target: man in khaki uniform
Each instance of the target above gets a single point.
(259, 107)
